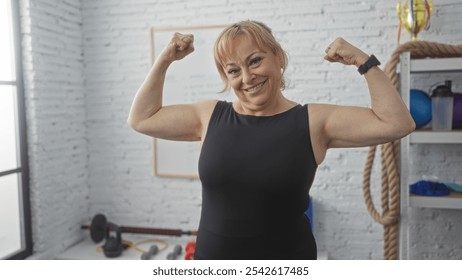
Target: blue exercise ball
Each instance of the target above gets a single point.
(421, 107)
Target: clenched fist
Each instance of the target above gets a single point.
(180, 46)
(345, 53)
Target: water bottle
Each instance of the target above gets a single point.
(442, 106)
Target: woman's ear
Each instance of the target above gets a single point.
(281, 61)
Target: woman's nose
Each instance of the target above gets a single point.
(247, 77)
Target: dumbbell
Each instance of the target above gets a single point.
(152, 251)
(176, 252)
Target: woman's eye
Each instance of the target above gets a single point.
(232, 71)
(255, 60)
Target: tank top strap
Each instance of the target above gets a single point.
(221, 112)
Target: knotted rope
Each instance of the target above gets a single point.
(390, 151)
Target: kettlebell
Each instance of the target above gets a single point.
(113, 246)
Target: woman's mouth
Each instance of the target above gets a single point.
(255, 88)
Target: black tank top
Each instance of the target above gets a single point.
(256, 173)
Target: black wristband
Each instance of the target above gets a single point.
(371, 62)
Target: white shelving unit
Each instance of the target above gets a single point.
(454, 201)
(431, 65)
(429, 137)
(408, 67)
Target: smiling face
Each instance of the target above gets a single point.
(257, 33)
(253, 73)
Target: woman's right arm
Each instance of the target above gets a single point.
(176, 122)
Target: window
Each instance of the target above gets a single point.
(15, 224)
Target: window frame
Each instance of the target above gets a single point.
(23, 170)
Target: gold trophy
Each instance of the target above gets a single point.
(414, 15)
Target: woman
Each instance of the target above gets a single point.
(260, 154)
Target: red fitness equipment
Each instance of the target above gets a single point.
(190, 249)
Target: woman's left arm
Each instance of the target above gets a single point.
(388, 118)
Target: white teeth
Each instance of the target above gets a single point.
(255, 88)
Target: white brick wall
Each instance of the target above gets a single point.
(56, 115)
(106, 44)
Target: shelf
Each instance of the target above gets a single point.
(436, 65)
(436, 137)
(407, 67)
(453, 201)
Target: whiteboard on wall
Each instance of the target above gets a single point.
(192, 79)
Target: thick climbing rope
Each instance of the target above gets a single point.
(390, 197)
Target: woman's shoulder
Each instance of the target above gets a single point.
(320, 111)
(205, 105)
(205, 109)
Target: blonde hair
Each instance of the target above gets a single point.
(259, 33)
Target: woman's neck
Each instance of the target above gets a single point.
(271, 107)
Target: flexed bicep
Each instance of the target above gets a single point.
(182, 122)
(149, 116)
(350, 126)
